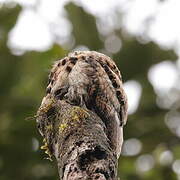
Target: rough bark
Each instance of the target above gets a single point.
(76, 137)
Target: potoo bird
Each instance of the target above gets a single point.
(92, 80)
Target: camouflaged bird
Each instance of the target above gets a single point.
(92, 80)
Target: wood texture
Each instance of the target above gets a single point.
(76, 138)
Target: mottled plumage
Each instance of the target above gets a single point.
(92, 80)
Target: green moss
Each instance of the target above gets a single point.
(46, 148)
(79, 113)
(45, 108)
(63, 126)
(73, 118)
(49, 127)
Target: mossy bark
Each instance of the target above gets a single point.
(76, 137)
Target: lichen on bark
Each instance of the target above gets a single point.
(77, 138)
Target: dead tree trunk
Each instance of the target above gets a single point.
(77, 138)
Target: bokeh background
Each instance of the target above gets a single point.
(143, 37)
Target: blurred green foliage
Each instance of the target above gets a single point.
(23, 81)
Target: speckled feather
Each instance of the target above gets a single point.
(92, 80)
